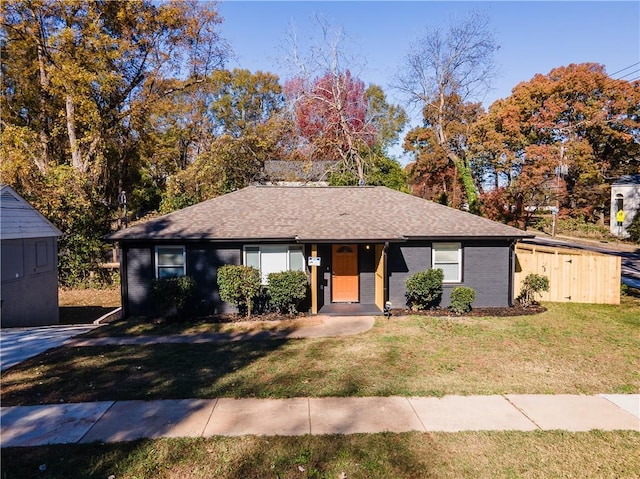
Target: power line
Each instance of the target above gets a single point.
(628, 74)
(625, 68)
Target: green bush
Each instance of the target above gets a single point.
(532, 284)
(634, 228)
(462, 298)
(286, 290)
(240, 286)
(173, 296)
(424, 289)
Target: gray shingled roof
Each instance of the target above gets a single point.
(20, 220)
(311, 214)
(628, 180)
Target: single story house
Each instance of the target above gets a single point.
(625, 204)
(29, 246)
(357, 244)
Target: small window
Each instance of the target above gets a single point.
(170, 261)
(42, 259)
(448, 257)
(274, 259)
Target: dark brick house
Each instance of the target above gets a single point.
(357, 244)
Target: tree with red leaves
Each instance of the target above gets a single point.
(331, 116)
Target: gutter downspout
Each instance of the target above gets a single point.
(385, 271)
(512, 271)
(124, 287)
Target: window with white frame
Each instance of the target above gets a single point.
(170, 261)
(448, 257)
(274, 258)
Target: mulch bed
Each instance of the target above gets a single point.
(475, 312)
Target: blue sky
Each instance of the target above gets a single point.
(535, 37)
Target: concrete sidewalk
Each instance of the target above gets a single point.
(115, 421)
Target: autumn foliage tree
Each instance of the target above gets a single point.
(245, 125)
(331, 116)
(78, 79)
(561, 137)
(432, 174)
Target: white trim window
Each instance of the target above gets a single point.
(274, 258)
(448, 257)
(170, 261)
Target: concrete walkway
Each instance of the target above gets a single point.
(116, 421)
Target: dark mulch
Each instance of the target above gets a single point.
(475, 312)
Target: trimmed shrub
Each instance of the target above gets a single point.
(462, 298)
(634, 228)
(532, 284)
(287, 289)
(173, 296)
(240, 286)
(424, 289)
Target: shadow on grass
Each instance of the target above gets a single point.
(115, 373)
(82, 314)
(372, 456)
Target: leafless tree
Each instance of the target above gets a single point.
(454, 65)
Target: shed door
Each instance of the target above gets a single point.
(344, 284)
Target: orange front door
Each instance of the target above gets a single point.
(344, 284)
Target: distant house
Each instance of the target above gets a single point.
(625, 203)
(29, 245)
(296, 173)
(357, 244)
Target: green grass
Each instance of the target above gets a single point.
(409, 455)
(571, 348)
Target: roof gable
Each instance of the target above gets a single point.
(627, 180)
(18, 219)
(312, 214)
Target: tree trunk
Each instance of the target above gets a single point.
(43, 162)
(76, 156)
(465, 172)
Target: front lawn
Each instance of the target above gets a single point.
(409, 455)
(570, 348)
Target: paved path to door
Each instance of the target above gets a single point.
(116, 421)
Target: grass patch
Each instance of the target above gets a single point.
(407, 455)
(569, 349)
(83, 306)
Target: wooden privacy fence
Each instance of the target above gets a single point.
(575, 276)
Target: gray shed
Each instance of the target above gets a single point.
(625, 204)
(29, 245)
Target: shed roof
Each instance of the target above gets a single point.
(19, 220)
(628, 180)
(308, 214)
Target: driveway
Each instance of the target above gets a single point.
(18, 344)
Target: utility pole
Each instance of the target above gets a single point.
(122, 199)
(559, 171)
